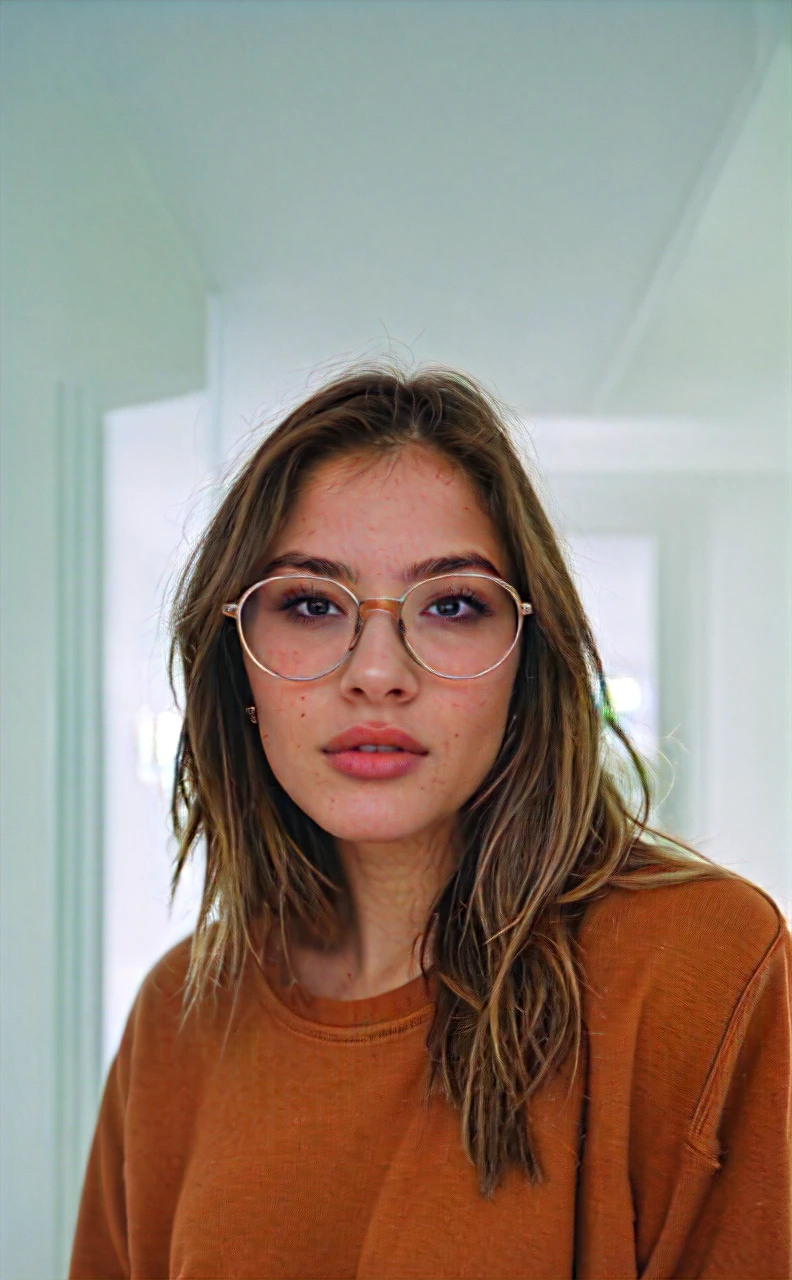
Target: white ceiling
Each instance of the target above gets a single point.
(529, 184)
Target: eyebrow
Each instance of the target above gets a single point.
(323, 568)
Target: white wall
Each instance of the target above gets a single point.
(99, 292)
(158, 495)
(748, 806)
(724, 646)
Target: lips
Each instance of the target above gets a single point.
(376, 735)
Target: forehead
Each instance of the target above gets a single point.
(383, 512)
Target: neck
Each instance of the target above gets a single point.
(391, 889)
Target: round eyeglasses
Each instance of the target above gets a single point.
(301, 627)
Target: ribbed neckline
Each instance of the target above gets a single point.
(392, 1013)
(388, 1006)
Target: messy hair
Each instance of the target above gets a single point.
(549, 829)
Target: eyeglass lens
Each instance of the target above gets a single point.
(303, 626)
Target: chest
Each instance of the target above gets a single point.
(349, 1173)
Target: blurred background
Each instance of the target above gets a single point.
(207, 208)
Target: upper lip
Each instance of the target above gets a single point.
(375, 735)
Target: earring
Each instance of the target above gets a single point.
(252, 713)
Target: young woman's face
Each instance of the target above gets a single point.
(379, 520)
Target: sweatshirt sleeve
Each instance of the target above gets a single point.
(743, 1128)
(100, 1249)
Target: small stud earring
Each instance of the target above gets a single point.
(252, 713)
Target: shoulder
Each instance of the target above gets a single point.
(665, 972)
(161, 1012)
(156, 1011)
(165, 981)
(718, 928)
(669, 978)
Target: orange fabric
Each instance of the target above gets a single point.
(300, 1146)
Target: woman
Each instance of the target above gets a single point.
(452, 1007)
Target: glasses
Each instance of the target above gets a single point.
(301, 627)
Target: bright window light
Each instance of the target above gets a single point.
(624, 693)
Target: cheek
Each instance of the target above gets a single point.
(286, 715)
(486, 701)
(473, 725)
(290, 740)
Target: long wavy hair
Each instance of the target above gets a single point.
(550, 828)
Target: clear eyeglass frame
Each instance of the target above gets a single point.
(387, 604)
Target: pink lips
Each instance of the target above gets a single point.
(341, 752)
(373, 764)
(377, 735)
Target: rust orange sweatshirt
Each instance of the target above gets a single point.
(302, 1148)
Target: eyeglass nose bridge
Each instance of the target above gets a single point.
(382, 604)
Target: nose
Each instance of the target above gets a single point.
(379, 663)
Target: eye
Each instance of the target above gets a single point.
(317, 606)
(450, 606)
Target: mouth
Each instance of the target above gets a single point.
(377, 764)
(373, 739)
(374, 752)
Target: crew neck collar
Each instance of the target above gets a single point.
(400, 1002)
(390, 1013)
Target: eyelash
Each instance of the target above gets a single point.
(466, 594)
(292, 599)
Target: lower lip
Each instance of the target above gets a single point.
(374, 764)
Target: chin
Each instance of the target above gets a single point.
(372, 821)
(374, 831)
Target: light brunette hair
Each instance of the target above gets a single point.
(550, 828)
